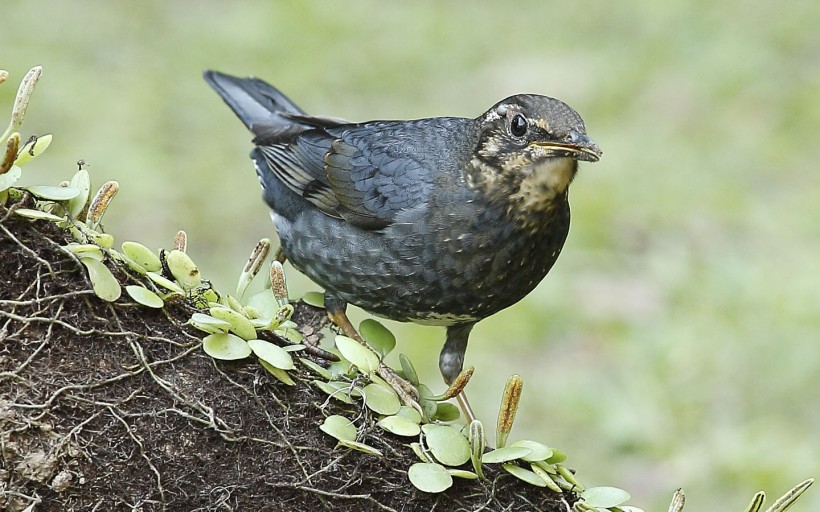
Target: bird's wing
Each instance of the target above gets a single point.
(294, 152)
(376, 171)
(364, 174)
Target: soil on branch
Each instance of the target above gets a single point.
(116, 407)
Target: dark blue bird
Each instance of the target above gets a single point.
(440, 221)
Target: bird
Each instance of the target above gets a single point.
(439, 221)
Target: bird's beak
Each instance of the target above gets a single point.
(577, 145)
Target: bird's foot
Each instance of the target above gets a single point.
(464, 405)
(407, 393)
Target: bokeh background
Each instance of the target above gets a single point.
(674, 344)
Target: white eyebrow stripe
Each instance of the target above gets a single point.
(541, 123)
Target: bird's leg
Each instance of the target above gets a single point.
(406, 391)
(280, 255)
(464, 404)
(451, 362)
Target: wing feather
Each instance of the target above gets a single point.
(366, 174)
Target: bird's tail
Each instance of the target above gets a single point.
(253, 100)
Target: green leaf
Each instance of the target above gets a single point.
(447, 444)
(549, 468)
(209, 324)
(342, 367)
(82, 182)
(271, 354)
(104, 240)
(33, 149)
(103, 282)
(129, 262)
(290, 334)
(142, 256)
(165, 282)
(399, 425)
(539, 451)
(289, 324)
(381, 399)
(315, 299)
(265, 303)
(360, 356)
(38, 215)
(505, 454)
(462, 473)
(364, 448)
(604, 497)
(240, 325)
(144, 296)
(319, 370)
(183, 269)
(91, 251)
(227, 347)
(377, 336)
(409, 413)
(261, 324)
(569, 476)
(429, 407)
(231, 302)
(419, 451)
(341, 391)
(408, 370)
(54, 193)
(278, 373)
(557, 457)
(430, 477)
(545, 476)
(339, 427)
(10, 177)
(446, 412)
(524, 474)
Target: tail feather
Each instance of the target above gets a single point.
(252, 100)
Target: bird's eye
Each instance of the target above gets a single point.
(518, 126)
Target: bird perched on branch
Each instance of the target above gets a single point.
(440, 221)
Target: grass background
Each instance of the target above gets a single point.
(674, 344)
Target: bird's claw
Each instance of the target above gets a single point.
(408, 393)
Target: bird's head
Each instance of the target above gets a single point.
(528, 151)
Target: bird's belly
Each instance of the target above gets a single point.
(409, 272)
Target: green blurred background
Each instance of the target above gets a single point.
(674, 344)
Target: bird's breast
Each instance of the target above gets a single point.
(452, 260)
